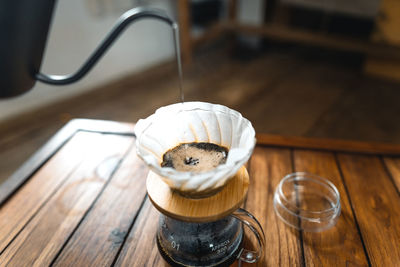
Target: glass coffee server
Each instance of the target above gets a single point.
(196, 232)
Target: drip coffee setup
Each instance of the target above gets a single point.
(201, 222)
(197, 154)
(87, 197)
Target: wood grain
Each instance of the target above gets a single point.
(42, 237)
(267, 167)
(15, 156)
(328, 144)
(212, 208)
(307, 81)
(22, 206)
(393, 165)
(69, 213)
(140, 248)
(50, 147)
(340, 245)
(102, 232)
(376, 204)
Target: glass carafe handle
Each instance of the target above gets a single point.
(250, 221)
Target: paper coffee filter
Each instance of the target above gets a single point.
(190, 122)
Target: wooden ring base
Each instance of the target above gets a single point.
(212, 208)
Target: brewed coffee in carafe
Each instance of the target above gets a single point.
(199, 244)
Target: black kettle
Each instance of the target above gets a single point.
(24, 26)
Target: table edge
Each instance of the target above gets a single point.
(35, 161)
(329, 144)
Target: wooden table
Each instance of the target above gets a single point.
(81, 201)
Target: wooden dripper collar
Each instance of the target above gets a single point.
(208, 209)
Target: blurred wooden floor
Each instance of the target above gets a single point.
(282, 91)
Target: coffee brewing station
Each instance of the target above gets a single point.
(201, 220)
(202, 226)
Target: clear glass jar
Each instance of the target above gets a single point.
(307, 202)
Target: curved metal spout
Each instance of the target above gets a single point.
(128, 17)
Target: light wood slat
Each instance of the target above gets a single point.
(340, 245)
(267, 167)
(393, 165)
(328, 144)
(22, 206)
(99, 237)
(376, 204)
(141, 248)
(42, 238)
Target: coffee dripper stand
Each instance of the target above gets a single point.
(205, 231)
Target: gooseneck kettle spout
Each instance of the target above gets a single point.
(126, 19)
(24, 26)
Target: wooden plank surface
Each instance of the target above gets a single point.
(328, 144)
(393, 165)
(41, 155)
(307, 81)
(376, 205)
(140, 248)
(267, 167)
(86, 208)
(42, 237)
(103, 231)
(340, 245)
(23, 206)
